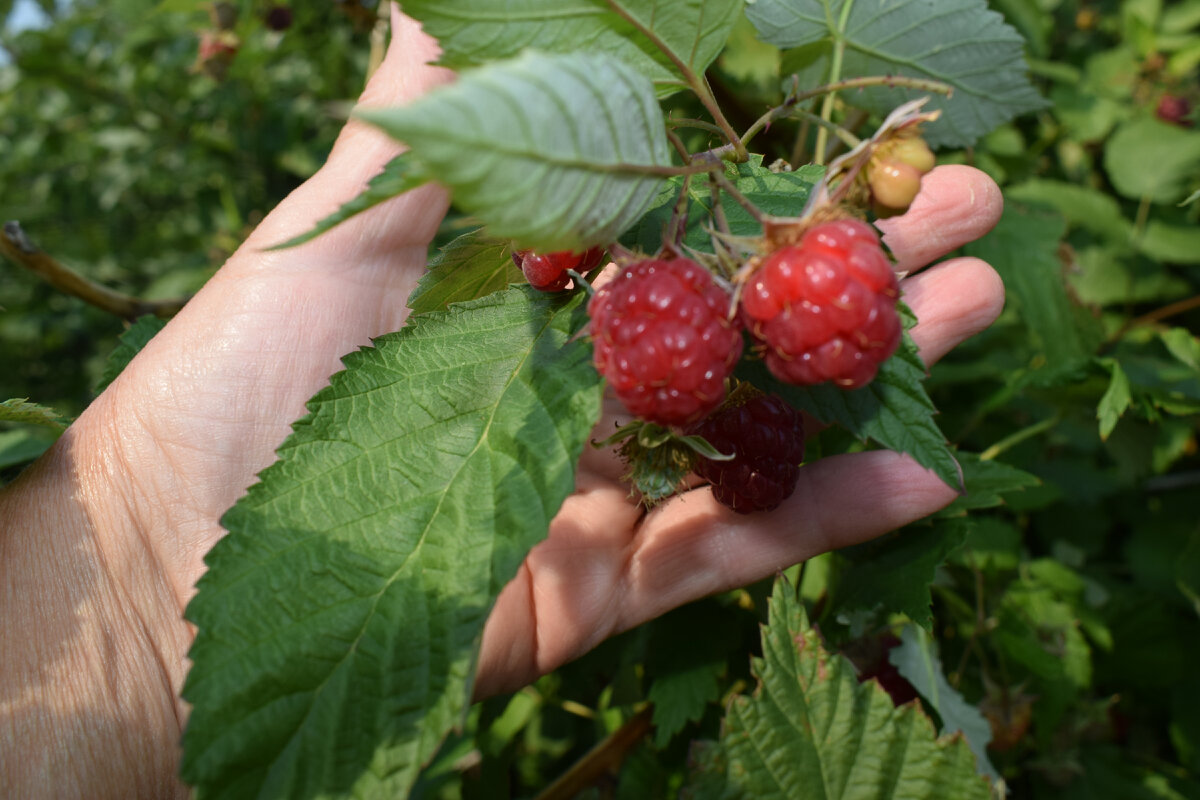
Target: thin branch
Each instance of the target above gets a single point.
(697, 82)
(751, 209)
(686, 122)
(603, 758)
(1158, 315)
(16, 246)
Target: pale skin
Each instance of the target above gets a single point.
(103, 538)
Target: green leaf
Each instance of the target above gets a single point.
(681, 697)
(1081, 206)
(782, 194)
(1175, 244)
(556, 152)
(957, 42)
(469, 267)
(812, 730)
(1116, 399)
(987, 482)
(1023, 248)
(893, 574)
(338, 621)
(129, 345)
(23, 445)
(398, 176)
(19, 409)
(916, 658)
(474, 32)
(893, 411)
(1148, 158)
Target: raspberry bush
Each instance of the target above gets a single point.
(1040, 628)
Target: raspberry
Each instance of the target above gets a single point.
(825, 309)
(548, 271)
(894, 174)
(1175, 110)
(664, 341)
(766, 437)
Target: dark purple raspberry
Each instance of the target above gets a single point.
(664, 340)
(766, 437)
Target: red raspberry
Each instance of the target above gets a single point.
(766, 437)
(1175, 110)
(664, 340)
(825, 309)
(548, 271)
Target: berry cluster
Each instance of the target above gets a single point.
(894, 174)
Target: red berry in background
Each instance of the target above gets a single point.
(766, 437)
(825, 309)
(548, 271)
(664, 340)
(1175, 110)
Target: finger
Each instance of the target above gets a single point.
(956, 205)
(359, 154)
(691, 546)
(953, 301)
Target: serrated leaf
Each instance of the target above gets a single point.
(552, 151)
(129, 345)
(471, 266)
(782, 194)
(1082, 206)
(681, 697)
(1148, 158)
(893, 411)
(1023, 248)
(987, 482)
(892, 574)
(474, 32)
(1116, 400)
(397, 177)
(812, 730)
(916, 659)
(19, 409)
(957, 42)
(338, 620)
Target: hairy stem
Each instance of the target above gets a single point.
(835, 75)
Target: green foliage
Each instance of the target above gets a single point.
(636, 32)
(1053, 607)
(578, 178)
(811, 730)
(392, 534)
(962, 45)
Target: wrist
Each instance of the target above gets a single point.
(91, 665)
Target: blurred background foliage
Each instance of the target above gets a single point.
(1066, 606)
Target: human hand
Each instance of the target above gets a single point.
(107, 535)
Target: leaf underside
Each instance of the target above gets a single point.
(19, 409)
(339, 619)
(559, 147)
(474, 32)
(471, 266)
(957, 42)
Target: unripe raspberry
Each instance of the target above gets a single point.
(913, 151)
(664, 341)
(825, 309)
(548, 271)
(894, 184)
(766, 438)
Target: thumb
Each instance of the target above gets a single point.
(359, 154)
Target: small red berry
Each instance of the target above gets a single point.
(278, 18)
(766, 437)
(548, 271)
(825, 309)
(1175, 110)
(664, 340)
